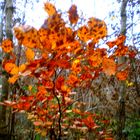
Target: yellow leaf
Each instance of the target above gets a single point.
(43, 133)
(129, 84)
(38, 130)
(30, 87)
(76, 61)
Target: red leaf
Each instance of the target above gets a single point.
(86, 75)
(132, 54)
(23, 106)
(27, 98)
(89, 122)
(48, 84)
(59, 82)
(109, 139)
(63, 64)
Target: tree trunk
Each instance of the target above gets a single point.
(8, 13)
(122, 88)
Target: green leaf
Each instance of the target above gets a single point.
(34, 89)
(37, 137)
(25, 87)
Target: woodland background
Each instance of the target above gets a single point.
(116, 102)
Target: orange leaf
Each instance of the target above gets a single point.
(49, 8)
(121, 50)
(118, 41)
(95, 59)
(65, 88)
(76, 66)
(109, 66)
(31, 39)
(29, 54)
(77, 111)
(73, 15)
(22, 67)
(89, 122)
(122, 75)
(48, 123)
(9, 66)
(43, 36)
(14, 71)
(111, 44)
(18, 32)
(83, 33)
(7, 45)
(13, 79)
(72, 79)
(98, 29)
(55, 23)
(28, 36)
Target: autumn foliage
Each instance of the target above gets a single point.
(60, 59)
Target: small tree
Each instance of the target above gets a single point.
(60, 60)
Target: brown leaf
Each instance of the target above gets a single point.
(73, 15)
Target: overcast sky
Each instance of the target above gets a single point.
(90, 8)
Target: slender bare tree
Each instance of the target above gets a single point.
(122, 91)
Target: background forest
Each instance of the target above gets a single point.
(74, 77)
